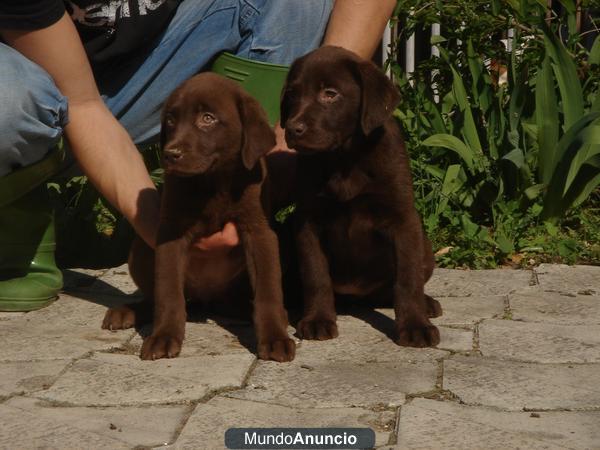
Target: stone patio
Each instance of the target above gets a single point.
(518, 367)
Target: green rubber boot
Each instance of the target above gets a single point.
(29, 278)
(264, 81)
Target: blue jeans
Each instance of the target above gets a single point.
(33, 112)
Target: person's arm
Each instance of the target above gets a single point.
(358, 25)
(102, 147)
(100, 144)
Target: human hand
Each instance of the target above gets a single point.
(280, 144)
(222, 240)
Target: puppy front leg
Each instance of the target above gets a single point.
(319, 318)
(413, 327)
(270, 317)
(169, 301)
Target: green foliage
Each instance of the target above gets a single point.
(496, 158)
(90, 232)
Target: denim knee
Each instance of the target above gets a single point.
(33, 111)
(282, 31)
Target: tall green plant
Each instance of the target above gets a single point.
(482, 147)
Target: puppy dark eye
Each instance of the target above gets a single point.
(207, 118)
(169, 120)
(329, 95)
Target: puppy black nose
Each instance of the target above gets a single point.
(297, 128)
(172, 154)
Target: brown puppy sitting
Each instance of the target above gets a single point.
(358, 232)
(213, 138)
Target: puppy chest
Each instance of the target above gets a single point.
(356, 248)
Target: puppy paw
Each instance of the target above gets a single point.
(280, 350)
(119, 318)
(161, 345)
(319, 329)
(434, 309)
(417, 335)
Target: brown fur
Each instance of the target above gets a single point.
(357, 229)
(214, 137)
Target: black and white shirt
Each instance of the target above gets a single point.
(108, 28)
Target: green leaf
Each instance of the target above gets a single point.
(516, 157)
(532, 192)
(453, 182)
(565, 72)
(546, 114)
(504, 244)
(469, 128)
(591, 139)
(555, 202)
(437, 39)
(594, 56)
(588, 179)
(452, 143)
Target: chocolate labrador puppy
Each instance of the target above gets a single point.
(358, 232)
(213, 137)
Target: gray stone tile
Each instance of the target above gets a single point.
(569, 279)
(131, 426)
(10, 315)
(515, 385)
(212, 419)
(67, 329)
(456, 340)
(337, 384)
(465, 311)
(470, 283)
(27, 430)
(536, 305)
(115, 281)
(428, 424)
(368, 343)
(80, 278)
(21, 377)
(540, 342)
(210, 339)
(365, 339)
(117, 379)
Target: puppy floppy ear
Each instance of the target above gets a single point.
(163, 131)
(286, 95)
(284, 105)
(379, 96)
(257, 136)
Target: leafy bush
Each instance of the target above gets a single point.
(496, 161)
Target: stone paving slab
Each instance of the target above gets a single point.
(569, 279)
(10, 315)
(117, 379)
(535, 305)
(455, 340)
(209, 339)
(67, 329)
(21, 377)
(355, 338)
(130, 426)
(115, 281)
(337, 384)
(466, 311)
(514, 386)
(64, 381)
(428, 424)
(539, 342)
(470, 283)
(363, 337)
(80, 278)
(207, 425)
(26, 430)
